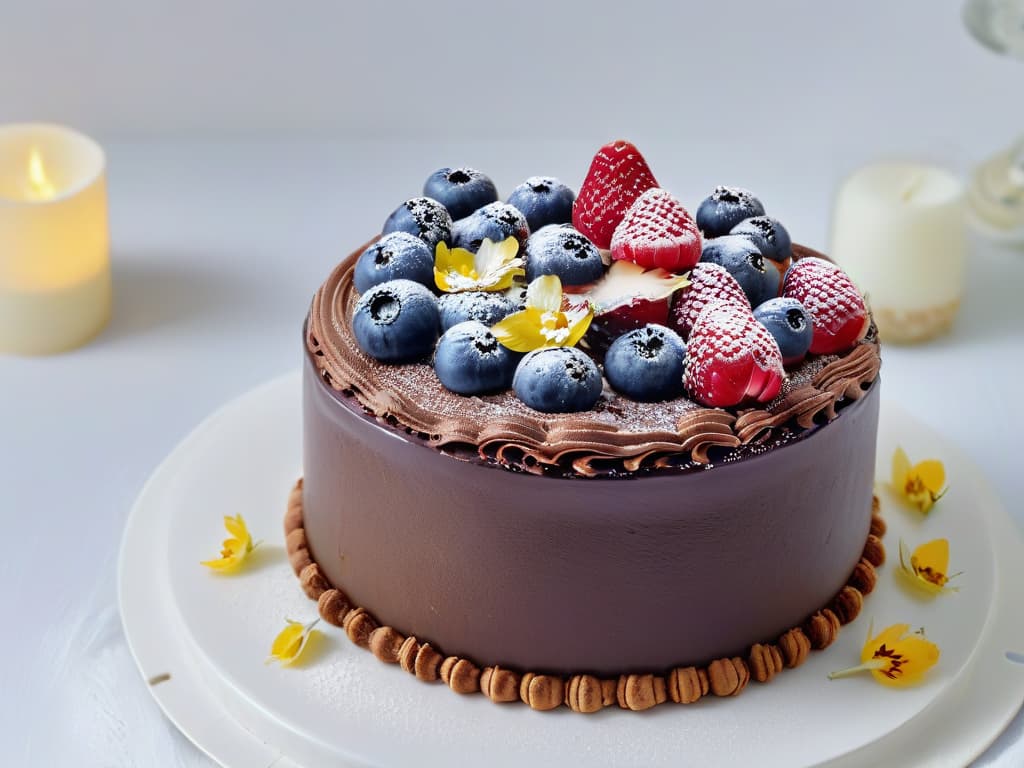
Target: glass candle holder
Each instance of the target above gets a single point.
(55, 289)
(899, 231)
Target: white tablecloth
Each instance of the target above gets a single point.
(217, 251)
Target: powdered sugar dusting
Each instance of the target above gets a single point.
(657, 231)
(708, 282)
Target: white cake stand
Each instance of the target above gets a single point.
(200, 639)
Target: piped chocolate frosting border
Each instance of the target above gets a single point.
(583, 692)
(619, 436)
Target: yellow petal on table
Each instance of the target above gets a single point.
(235, 549)
(927, 567)
(290, 642)
(920, 485)
(894, 657)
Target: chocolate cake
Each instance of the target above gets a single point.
(630, 552)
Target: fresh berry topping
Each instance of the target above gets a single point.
(790, 324)
(543, 200)
(395, 256)
(770, 237)
(423, 217)
(557, 380)
(833, 301)
(708, 282)
(618, 175)
(558, 249)
(742, 259)
(469, 360)
(487, 307)
(647, 364)
(396, 321)
(731, 358)
(460, 190)
(495, 222)
(657, 232)
(726, 207)
(627, 297)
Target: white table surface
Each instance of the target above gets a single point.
(217, 251)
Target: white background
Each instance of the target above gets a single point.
(251, 145)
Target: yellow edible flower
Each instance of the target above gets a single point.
(928, 565)
(235, 549)
(544, 323)
(922, 484)
(492, 268)
(290, 642)
(894, 657)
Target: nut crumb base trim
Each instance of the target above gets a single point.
(583, 693)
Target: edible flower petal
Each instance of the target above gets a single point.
(492, 268)
(290, 642)
(895, 657)
(234, 549)
(922, 484)
(927, 566)
(544, 322)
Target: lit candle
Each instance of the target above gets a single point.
(899, 231)
(55, 289)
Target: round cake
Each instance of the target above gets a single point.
(644, 546)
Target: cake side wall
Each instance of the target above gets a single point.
(601, 575)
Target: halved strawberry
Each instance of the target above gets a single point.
(833, 301)
(708, 282)
(618, 175)
(657, 231)
(731, 358)
(627, 297)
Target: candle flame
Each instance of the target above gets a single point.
(39, 182)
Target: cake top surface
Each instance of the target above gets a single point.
(558, 355)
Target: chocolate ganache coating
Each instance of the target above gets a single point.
(687, 549)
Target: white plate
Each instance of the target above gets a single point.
(211, 633)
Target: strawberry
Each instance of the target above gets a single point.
(618, 175)
(657, 232)
(627, 297)
(708, 282)
(731, 358)
(833, 301)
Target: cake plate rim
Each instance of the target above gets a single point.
(209, 712)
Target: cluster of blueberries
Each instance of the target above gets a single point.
(401, 318)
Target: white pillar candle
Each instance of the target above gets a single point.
(899, 231)
(55, 290)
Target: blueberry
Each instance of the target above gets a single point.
(460, 190)
(469, 360)
(486, 307)
(646, 364)
(768, 235)
(517, 295)
(558, 249)
(423, 217)
(496, 221)
(557, 380)
(741, 257)
(726, 207)
(791, 325)
(543, 200)
(396, 321)
(397, 255)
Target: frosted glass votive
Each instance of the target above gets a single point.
(55, 289)
(899, 230)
